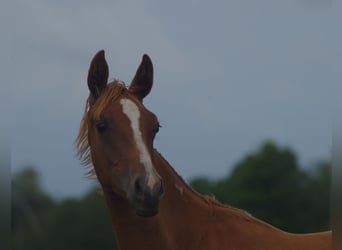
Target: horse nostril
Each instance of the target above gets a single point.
(142, 192)
(161, 190)
(138, 188)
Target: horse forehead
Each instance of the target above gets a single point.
(130, 108)
(133, 110)
(136, 109)
(122, 106)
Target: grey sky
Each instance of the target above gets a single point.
(228, 75)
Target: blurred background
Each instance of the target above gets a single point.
(245, 92)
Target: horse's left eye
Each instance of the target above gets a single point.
(101, 126)
(157, 128)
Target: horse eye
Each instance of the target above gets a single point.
(101, 126)
(157, 128)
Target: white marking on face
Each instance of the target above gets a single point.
(131, 110)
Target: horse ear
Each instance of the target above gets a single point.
(98, 74)
(142, 82)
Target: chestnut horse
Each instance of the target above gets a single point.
(150, 205)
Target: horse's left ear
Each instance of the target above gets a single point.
(142, 82)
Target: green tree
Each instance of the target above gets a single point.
(40, 223)
(318, 195)
(268, 182)
(203, 185)
(29, 204)
(82, 224)
(270, 185)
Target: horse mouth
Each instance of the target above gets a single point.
(147, 212)
(145, 209)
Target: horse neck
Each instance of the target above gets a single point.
(180, 208)
(187, 220)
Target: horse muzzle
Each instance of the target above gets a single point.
(145, 195)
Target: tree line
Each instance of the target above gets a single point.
(267, 183)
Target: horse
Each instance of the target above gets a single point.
(150, 205)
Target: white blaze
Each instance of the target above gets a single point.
(131, 110)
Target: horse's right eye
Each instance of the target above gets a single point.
(101, 126)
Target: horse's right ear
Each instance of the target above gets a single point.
(98, 74)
